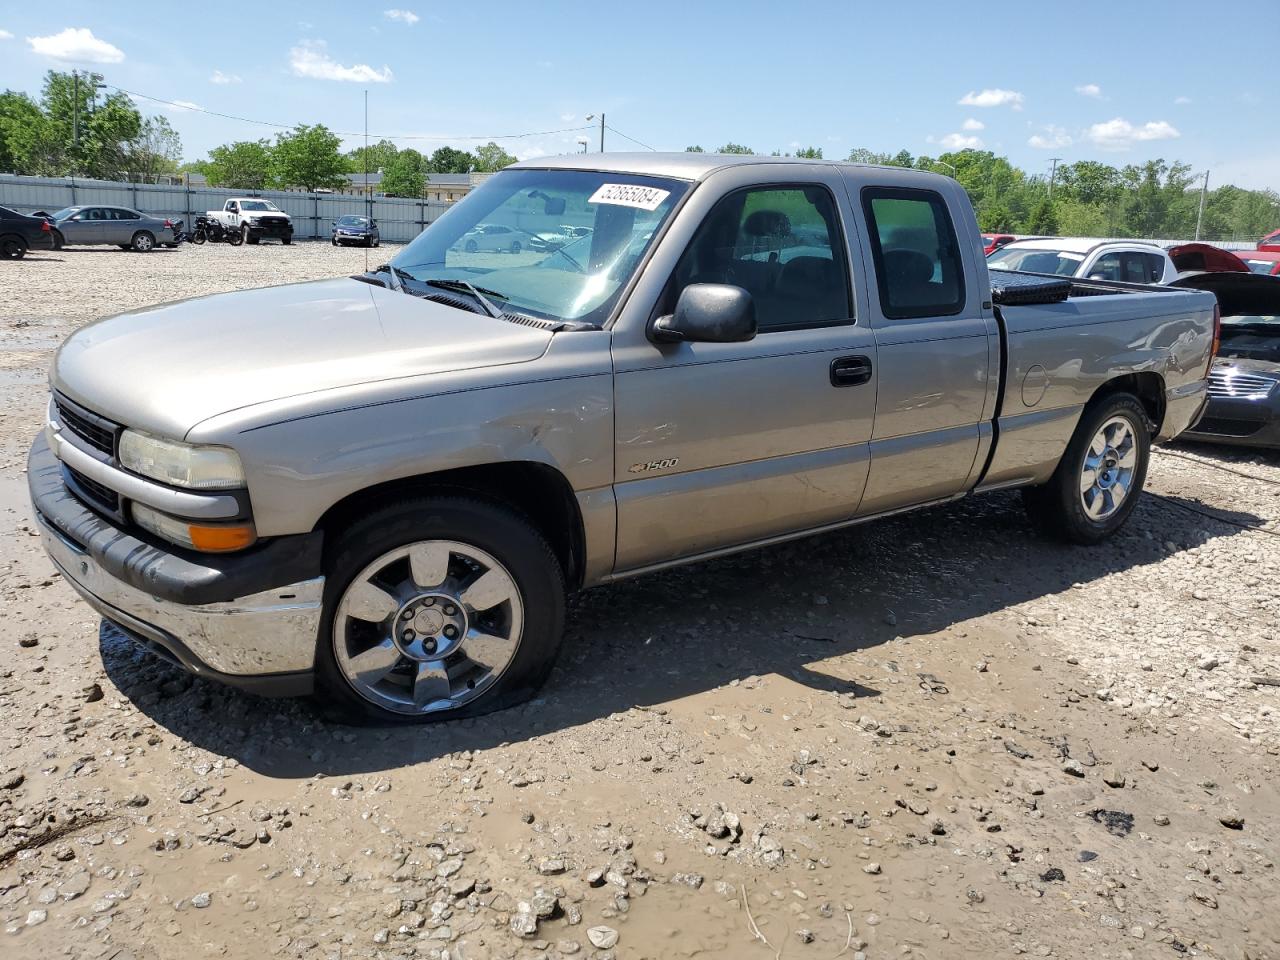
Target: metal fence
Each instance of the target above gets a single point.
(399, 220)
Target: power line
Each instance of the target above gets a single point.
(343, 133)
(632, 139)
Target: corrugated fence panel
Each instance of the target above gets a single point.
(399, 220)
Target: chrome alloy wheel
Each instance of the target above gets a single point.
(428, 627)
(1106, 477)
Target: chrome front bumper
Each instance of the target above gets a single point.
(265, 642)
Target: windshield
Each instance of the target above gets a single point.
(1260, 266)
(1062, 262)
(555, 244)
(1254, 320)
(66, 212)
(352, 222)
(258, 205)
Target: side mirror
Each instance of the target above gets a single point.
(708, 313)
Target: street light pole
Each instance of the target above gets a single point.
(1053, 174)
(1204, 188)
(592, 116)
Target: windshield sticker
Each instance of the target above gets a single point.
(630, 195)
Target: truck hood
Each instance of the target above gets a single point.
(167, 368)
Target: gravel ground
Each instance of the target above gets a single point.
(934, 736)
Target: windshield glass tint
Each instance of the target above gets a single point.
(66, 212)
(352, 222)
(557, 244)
(257, 205)
(1253, 319)
(1062, 263)
(1260, 266)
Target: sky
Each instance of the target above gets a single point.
(1090, 79)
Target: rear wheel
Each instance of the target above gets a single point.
(1100, 476)
(198, 237)
(439, 608)
(515, 246)
(12, 248)
(143, 242)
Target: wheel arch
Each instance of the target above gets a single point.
(537, 491)
(1147, 386)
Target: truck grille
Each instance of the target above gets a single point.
(94, 493)
(1234, 385)
(96, 431)
(1219, 426)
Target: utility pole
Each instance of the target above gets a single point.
(75, 121)
(592, 116)
(1053, 174)
(1204, 188)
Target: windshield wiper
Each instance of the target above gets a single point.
(478, 292)
(395, 277)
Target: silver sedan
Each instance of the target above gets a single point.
(122, 226)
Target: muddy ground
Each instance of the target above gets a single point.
(934, 736)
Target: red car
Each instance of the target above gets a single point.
(1266, 261)
(992, 242)
(1271, 241)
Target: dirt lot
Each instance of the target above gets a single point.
(935, 736)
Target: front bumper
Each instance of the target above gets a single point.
(362, 238)
(1246, 423)
(278, 231)
(249, 620)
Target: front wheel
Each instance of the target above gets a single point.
(198, 237)
(287, 241)
(59, 241)
(438, 608)
(234, 237)
(1101, 474)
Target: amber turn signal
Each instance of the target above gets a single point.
(221, 539)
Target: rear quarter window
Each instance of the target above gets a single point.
(919, 271)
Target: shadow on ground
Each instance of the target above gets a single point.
(782, 610)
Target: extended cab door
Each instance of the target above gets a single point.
(720, 444)
(937, 343)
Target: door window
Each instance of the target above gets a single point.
(782, 245)
(1106, 267)
(918, 267)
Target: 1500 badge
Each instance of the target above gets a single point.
(653, 465)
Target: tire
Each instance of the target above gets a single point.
(515, 246)
(143, 242)
(464, 540)
(234, 237)
(12, 248)
(59, 241)
(198, 237)
(1113, 430)
(247, 237)
(472, 246)
(334, 241)
(377, 242)
(287, 241)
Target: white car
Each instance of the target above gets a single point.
(1131, 261)
(491, 237)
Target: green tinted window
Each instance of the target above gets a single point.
(919, 271)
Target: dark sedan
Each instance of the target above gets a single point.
(19, 233)
(360, 230)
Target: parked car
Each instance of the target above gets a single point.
(20, 233)
(1244, 382)
(1262, 261)
(491, 237)
(992, 242)
(1125, 260)
(381, 487)
(551, 239)
(1271, 241)
(1204, 258)
(361, 230)
(254, 219)
(123, 227)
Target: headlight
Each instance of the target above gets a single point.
(253, 219)
(206, 537)
(180, 464)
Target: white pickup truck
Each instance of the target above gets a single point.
(255, 218)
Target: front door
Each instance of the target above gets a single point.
(84, 226)
(720, 444)
(937, 347)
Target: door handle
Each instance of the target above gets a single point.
(850, 371)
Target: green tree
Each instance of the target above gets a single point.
(694, 150)
(308, 157)
(1044, 221)
(405, 175)
(449, 160)
(810, 153)
(97, 135)
(379, 154)
(244, 165)
(736, 148)
(157, 150)
(491, 158)
(27, 142)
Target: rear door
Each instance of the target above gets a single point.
(722, 444)
(122, 225)
(937, 344)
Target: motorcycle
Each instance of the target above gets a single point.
(206, 228)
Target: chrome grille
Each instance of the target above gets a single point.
(1236, 385)
(98, 432)
(96, 494)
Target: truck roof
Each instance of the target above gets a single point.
(683, 166)
(1078, 244)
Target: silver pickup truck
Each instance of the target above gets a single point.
(380, 488)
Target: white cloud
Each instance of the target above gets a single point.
(972, 124)
(407, 17)
(224, 78)
(992, 98)
(311, 59)
(1182, 101)
(1052, 138)
(958, 141)
(5, 35)
(1090, 90)
(76, 45)
(1120, 134)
